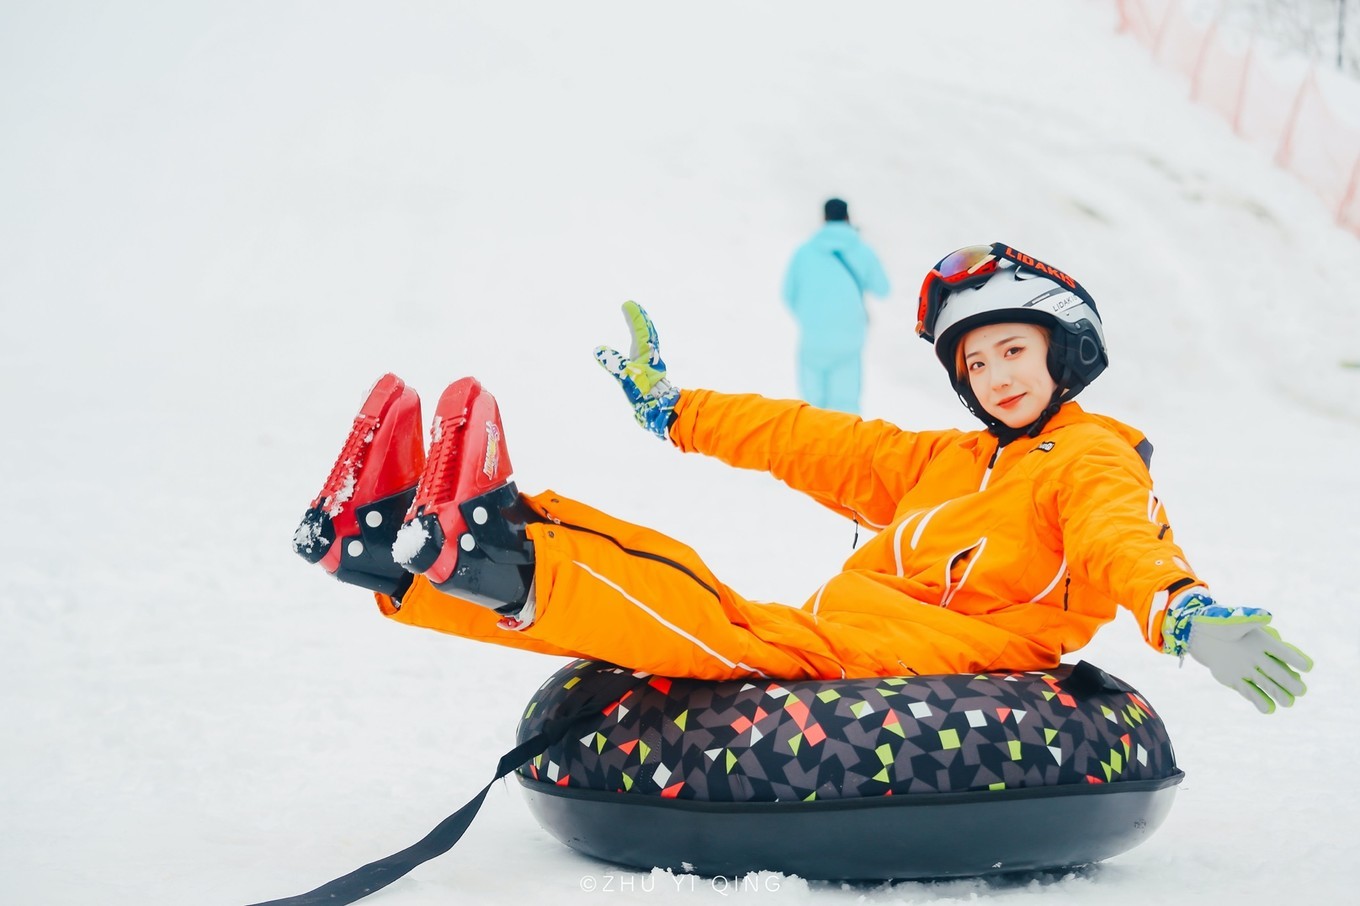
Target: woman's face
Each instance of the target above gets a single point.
(1007, 368)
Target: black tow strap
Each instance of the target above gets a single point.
(376, 875)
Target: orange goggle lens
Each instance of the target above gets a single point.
(966, 263)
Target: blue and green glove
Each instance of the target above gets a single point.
(642, 375)
(1238, 646)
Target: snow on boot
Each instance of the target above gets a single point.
(465, 529)
(351, 524)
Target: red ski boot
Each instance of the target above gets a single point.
(465, 529)
(351, 524)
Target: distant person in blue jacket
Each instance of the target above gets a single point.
(824, 288)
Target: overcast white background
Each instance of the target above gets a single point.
(220, 223)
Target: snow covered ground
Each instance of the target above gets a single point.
(220, 222)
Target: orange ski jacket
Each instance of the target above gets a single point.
(1044, 536)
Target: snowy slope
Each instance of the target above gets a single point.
(219, 223)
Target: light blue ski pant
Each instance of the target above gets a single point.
(830, 379)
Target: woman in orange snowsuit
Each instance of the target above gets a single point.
(999, 549)
(967, 573)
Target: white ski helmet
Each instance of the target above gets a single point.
(994, 284)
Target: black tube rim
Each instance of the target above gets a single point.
(916, 800)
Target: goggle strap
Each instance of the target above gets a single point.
(1001, 250)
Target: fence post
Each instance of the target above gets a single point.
(1287, 138)
(1124, 24)
(1349, 194)
(1161, 32)
(1144, 30)
(1204, 53)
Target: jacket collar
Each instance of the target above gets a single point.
(1071, 413)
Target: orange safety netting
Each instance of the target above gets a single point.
(1264, 101)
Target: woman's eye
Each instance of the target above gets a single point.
(1015, 350)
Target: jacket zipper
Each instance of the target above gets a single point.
(987, 476)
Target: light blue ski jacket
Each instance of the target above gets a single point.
(825, 286)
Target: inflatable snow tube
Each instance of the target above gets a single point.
(866, 779)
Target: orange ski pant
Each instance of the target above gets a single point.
(609, 590)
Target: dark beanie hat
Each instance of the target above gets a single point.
(836, 209)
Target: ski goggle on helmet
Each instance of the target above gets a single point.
(994, 284)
